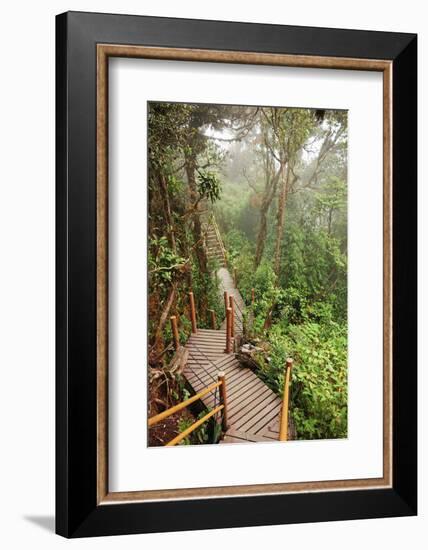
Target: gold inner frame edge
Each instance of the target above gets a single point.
(104, 51)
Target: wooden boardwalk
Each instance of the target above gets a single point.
(227, 285)
(254, 410)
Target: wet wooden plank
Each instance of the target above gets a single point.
(209, 370)
(246, 420)
(251, 383)
(198, 385)
(265, 420)
(247, 405)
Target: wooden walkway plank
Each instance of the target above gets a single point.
(236, 436)
(227, 285)
(256, 413)
(265, 420)
(247, 405)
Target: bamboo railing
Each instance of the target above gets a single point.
(221, 384)
(283, 428)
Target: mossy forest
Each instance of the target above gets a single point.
(256, 196)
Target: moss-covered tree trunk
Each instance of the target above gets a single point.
(268, 195)
(280, 217)
(196, 215)
(167, 210)
(198, 236)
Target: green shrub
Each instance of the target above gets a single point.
(319, 376)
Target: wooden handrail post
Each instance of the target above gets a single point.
(176, 337)
(283, 428)
(223, 399)
(213, 319)
(193, 312)
(235, 279)
(252, 297)
(232, 324)
(228, 329)
(226, 302)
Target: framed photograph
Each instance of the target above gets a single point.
(236, 274)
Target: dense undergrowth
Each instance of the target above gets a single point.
(310, 329)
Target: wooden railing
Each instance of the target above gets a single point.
(221, 384)
(283, 428)
(229, 309)
(229, 304)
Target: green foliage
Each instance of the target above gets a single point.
(163, 262)
(198, 436)
(167, 123)
(307, 325)
(208, 432)
(319, 391)
(234, 212)
(205, 287)
(184, 328)
(308, 306)
(175, 185)
(180, 392)
(209, 185)
(332, 197)
(319, 376)
(238, 248)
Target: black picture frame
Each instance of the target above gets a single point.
(77, 511)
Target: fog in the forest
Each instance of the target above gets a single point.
(272, 182)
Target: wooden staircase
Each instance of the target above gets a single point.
(213, 241)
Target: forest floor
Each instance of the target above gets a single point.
(163, 432)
